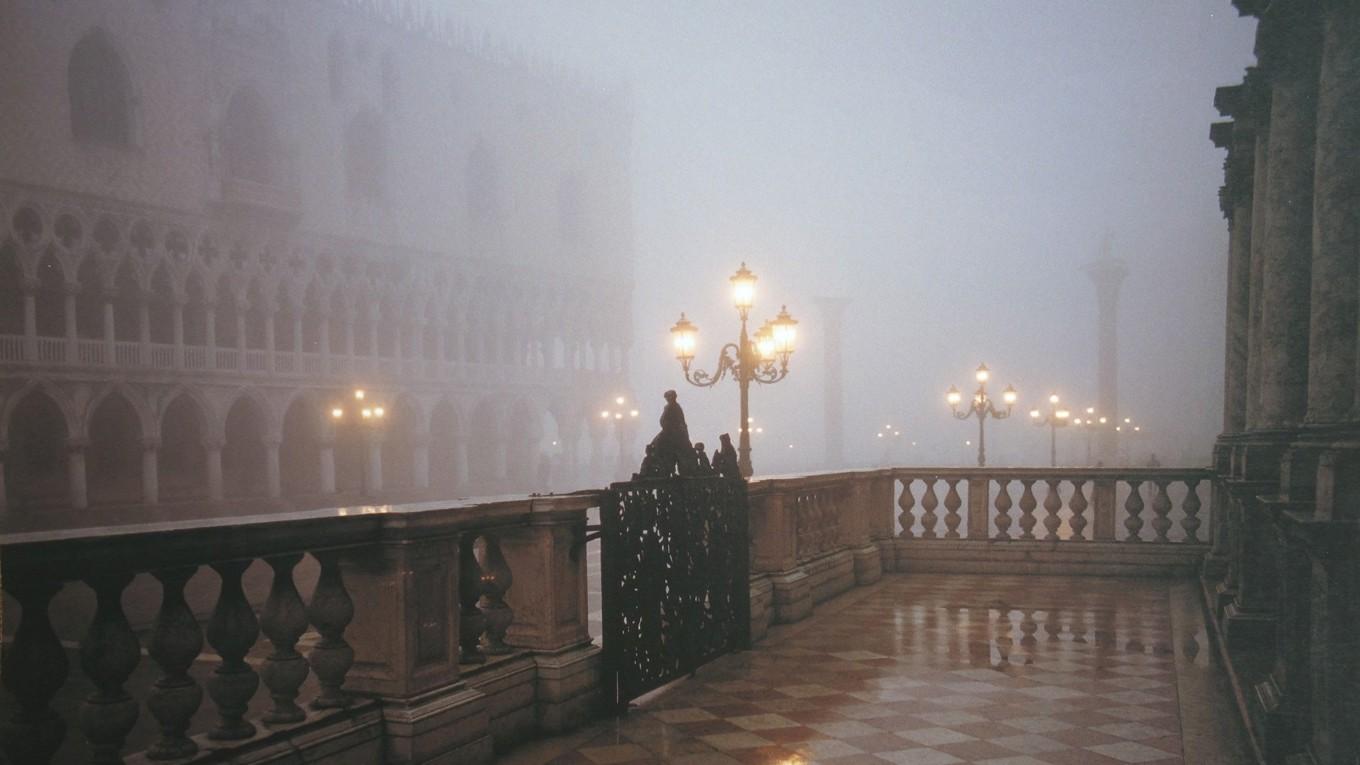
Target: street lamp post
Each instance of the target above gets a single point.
(623, 413)
(371, 416)
(982, 408)
(1056, 418)
(1091, 423)
(749, 359)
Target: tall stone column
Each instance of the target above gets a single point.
(1108, 275)
(269, 345)
(75, 473)
(214, 459)
(110, 338)
(177, 317)
(833, 394)
(210, 333)
(144, 328)
(1333, 394)
(1287, 49)
(30, 289)
(326, 454)
(150, 471)
(1256, 94)
(69, 313)
(1237, 137)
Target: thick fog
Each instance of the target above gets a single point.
(949, 167)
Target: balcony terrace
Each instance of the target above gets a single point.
(453, 631)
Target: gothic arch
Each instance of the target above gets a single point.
(36, 429)
(100, 91)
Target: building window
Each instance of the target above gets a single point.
(365, 157)
(248, 138)
(100, 92)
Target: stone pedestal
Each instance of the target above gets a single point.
(792, 596)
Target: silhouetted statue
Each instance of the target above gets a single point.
(671, 450)
(651, 467)
(702, 457)
(725, 458)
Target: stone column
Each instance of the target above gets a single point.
(30, 288)
(420, 460)
(833, 396)
(1256, 96)
(241, 334)
(373, 465)
(269, 341)
(1107, 274)
(210, 330)
(177, 316)
(1333, 394)
(144, 329)
(69, 310)
(1287, 41)
(297, 341)
(110, 336)
(1239, 139)
(150, 471)
(323, 337)
(214, 459)
(273, 484)
(326, 453)
(460, 464)
(75, 472)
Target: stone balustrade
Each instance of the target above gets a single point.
(429, 631)
(818, 535)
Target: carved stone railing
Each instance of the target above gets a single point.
(814, 536)
(412, 633)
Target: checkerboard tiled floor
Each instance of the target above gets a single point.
(930, 670)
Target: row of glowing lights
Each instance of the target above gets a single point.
(1010, 396)
(366, 412)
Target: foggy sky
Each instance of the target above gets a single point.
(949, 167)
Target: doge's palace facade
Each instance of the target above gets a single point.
(218, 220)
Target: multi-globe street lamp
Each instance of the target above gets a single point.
(749, 359)
(981, 407)
(1092, 422)
(372, 416)
(1056, 418)
(623, 413)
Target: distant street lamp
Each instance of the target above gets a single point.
(1089, 424)
(624, 413)
(1056, 418)
(372, 416)
(981, 407)
(749, 359)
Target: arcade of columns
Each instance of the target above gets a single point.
(1282, 577)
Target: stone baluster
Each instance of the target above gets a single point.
(232, 631)
(471, 622)
(496, 581)
(175, 642)
(330, 611)
(928, 504)
(34, 670)
(1052, 504)
(283, 621)
(952, 503)
(1190, 506)
(1134, 505)
(1027, 505)
(108, 655)
(905, 502)
(1003, 509)
(1161, 510)
(1077, 504)
(1103, 500)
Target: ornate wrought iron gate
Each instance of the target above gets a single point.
(675, 560)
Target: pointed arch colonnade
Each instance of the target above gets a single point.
(76, 445)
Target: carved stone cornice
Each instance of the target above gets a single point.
(1289, 37)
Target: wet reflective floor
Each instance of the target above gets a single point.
(935, 669)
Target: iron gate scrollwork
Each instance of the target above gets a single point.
(675, 561)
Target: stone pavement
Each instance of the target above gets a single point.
(937, 669)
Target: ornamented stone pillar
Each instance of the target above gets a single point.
(1236, 201)
(1256, 98)
(1107, 274)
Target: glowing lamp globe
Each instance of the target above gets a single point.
(684, 336)
(743, 288)
(784, 330)
(983, 373)
(1009, 396)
